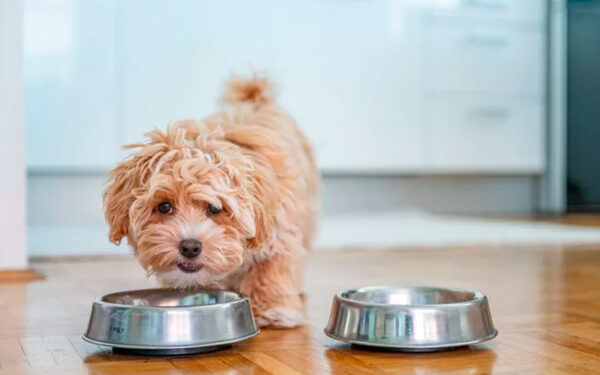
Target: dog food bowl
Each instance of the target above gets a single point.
(170, 322)
(410, 319)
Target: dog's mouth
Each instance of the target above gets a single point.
(189, 267)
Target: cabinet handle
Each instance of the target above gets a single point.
(492, 113)
(481, 39)
(486, 4)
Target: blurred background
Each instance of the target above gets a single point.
(428, 116)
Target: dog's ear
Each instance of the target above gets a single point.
(252, 209)
(263, 226)
(118, 198)
(260, 208)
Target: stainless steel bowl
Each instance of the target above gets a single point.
(410, 319)
(167, 321)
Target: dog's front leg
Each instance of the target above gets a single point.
(274, 292)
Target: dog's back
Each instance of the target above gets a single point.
(254, 121)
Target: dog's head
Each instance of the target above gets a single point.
(191, 204)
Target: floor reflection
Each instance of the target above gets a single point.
(467, 361)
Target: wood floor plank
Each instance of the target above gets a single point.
(217, 365)
(12, 356)
(242, 365)
(37, 352)
(111, 367)
(61, 350)
(549, 350)
(87, 352)
(303, 360)
(188, 365)
(266, 361)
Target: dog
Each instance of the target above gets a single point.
(227, 202)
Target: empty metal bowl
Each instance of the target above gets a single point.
(170, 322)
(410, 319)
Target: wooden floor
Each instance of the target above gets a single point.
(545, 302)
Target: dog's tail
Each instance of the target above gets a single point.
(255, 90)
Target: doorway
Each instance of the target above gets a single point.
(583, 106)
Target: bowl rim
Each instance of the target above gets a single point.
(242, 298)
(479, 297)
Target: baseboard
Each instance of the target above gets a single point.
(19, 276)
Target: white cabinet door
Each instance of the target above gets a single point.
(486, 87)
(70, 84)
(523, 11)
(349, 72)
(486, 59)
(486, 133)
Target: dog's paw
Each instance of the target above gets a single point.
(280, 317)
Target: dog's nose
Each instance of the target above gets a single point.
(190, 248)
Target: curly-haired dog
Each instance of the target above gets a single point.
(226, 202)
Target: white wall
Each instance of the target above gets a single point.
(13, 254)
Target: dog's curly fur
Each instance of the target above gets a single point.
(252, 162)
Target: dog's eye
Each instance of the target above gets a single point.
(213, 210)
(165, 208)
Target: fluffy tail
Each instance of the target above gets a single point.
(255, 90)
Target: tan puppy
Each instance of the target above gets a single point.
(226, 202)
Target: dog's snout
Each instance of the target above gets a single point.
(190, 248)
